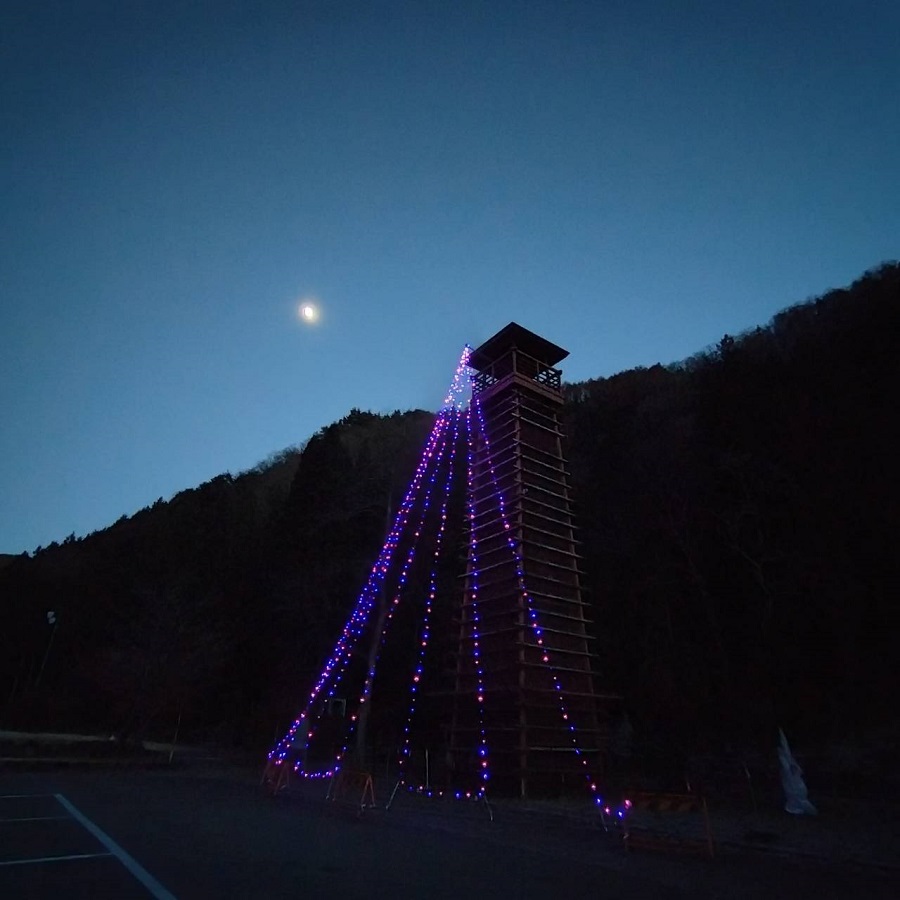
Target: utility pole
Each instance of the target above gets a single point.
(51, 620)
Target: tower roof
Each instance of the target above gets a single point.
(515, 336)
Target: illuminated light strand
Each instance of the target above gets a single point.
(461, 386)
(434, 455)
(419, 666)
(437, 445)
(395, 602)
(448, 413)
(342, 652)
(532, 613)
(450, 406)
(480, 793)
(472, 565)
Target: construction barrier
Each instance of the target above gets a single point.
(276, 777)
(353, 787)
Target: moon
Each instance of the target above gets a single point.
(308, 312)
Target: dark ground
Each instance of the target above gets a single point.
(212, 833)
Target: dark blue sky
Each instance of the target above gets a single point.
(630, 179)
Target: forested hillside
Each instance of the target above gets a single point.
(740, 528)
(741, 523)
(215, 606)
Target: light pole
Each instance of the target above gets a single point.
(51, 620)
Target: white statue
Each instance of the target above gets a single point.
(796, 798)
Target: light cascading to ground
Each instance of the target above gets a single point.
(424, 511)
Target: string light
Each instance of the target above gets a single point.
(419, 669)
(352, 631)
(533, 620)
(336, 666)
(401, 583)
(439, 454)
(483, 752)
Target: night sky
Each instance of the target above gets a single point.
(629, 179)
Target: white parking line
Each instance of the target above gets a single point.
(33, 819)
(130, 863)
(46, 859)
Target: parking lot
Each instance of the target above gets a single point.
(188, 834)
(197, 834)
(49, 848)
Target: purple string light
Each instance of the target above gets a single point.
(355, 626)
(483, 750)
(401, 583)
(425, 478)
(529, 604)
(338, 661)
(419, 668)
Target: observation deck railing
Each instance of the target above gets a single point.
(521, 364)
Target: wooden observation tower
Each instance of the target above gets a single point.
(522, 602)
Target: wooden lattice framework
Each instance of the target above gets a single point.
(519, 393)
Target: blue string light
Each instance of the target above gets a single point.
(401, 583)
(533, 619)
(460, 397)
(483, 750)
(337, 664)
(352, 631)
(419, 668)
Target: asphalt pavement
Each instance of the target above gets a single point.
(202, 833)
